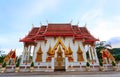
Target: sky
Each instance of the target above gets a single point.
(102, 18)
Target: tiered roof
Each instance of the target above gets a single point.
(39, 33)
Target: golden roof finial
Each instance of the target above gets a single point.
(40, 24)
(32, 25)
(71, 21)
(47, 21)
(85, 25)
(77, 23)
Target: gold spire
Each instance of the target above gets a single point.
(79, 54)
(59, 50)
(69, 50)
(40, 50)
(79, 51)
(50, 51)
(39, 55)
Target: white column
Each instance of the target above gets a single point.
(29, 51)
(97, 61)
(24, 56)
(66, 63)
(89, 53)
(44, 50)
(35, 52)
(84, 52)
(52, 63)
(92, 53)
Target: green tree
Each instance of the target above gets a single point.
(2, 57)
(99, 46)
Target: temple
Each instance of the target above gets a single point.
(59, 46)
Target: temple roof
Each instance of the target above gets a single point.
(39, 33)
(59, 30)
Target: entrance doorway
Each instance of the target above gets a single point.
(59, 60)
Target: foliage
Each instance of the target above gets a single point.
(9, 62)
(4, 64)
(99, 46)
(116, 53)
(18, 63)
(87, 55)
(88, 64)
(113, 63)
(2, 57)
(117, 57)
(101, 62)
(32, 64)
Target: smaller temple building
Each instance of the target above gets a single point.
(59, 46)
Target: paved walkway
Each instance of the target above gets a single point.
(62, 74)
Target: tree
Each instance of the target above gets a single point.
(2, 57)
(99, 46)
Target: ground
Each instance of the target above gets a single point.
(62, 74)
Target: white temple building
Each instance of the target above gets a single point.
(59, 45)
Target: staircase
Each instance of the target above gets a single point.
(59, 68)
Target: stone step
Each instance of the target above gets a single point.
(59, 68)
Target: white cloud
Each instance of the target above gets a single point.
(28, 12)
(38, 7)
(106, 28)
(91, 15)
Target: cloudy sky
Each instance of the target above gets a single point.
(17, 16)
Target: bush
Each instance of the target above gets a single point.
(17, 64)
(32, 64)
(87, 64)
(4, 64)
(101, 63)
(113, 63)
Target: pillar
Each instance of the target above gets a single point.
(52, 63)
(89, 52)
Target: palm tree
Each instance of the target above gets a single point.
(99, 46)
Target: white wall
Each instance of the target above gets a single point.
(67, 41)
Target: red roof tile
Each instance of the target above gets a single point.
(30, 35)
(59, 30)
(39, 33)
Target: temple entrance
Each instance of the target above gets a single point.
(59, 60)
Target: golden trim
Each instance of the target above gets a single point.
(70, 50)
(59, 42)
(39, 55)
(79, 54)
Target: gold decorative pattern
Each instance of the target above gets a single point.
(70, 59)
(39, 55)
(59, 53)
(70, 50)
(62, 44)
(79, 54)
(50, 52)
(48, 59)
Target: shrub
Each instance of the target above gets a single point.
(32, 64)
(101, 63)
(113, 63)
(4, 64)
(87, 64)
(17, 64)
